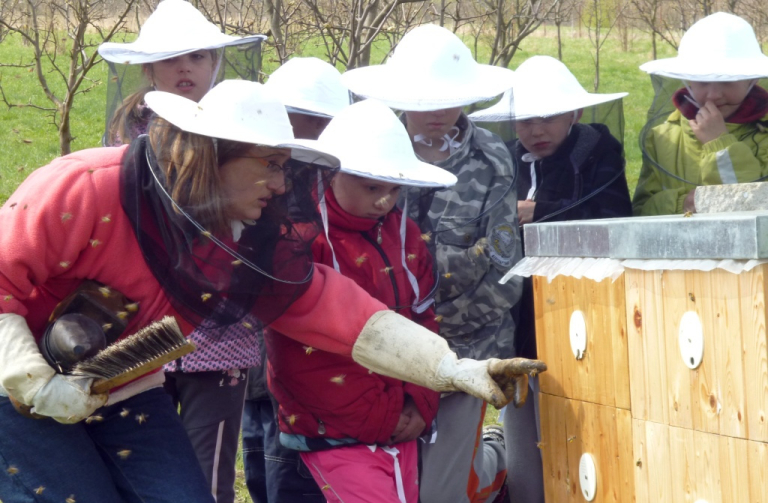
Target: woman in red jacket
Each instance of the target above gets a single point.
(324, 396)
(170, 222)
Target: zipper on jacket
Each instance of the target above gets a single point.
(378, 236)
(386, 262)
(320, 427)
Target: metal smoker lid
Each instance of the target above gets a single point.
(739, 235)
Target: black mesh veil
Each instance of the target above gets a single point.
(208, 274)
(609, 114)
(241, 61)
(663, 105)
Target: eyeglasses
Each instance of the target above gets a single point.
(276, 168)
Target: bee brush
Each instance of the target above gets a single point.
(150, 348)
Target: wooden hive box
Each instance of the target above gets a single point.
(652, 428)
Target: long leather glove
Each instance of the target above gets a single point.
(394, 346)
(27, 378)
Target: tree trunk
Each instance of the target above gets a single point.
(559, 42)
(653, 45)
(65, 133)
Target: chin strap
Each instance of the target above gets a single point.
(449, 140)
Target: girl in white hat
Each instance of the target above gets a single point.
(326, 397)
(716, 133)
(313, 94)
(179, 51)
(567, 171)
(431, 76)
(187, 226)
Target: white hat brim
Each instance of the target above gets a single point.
(403, 93)
(708, 71)
(137, 53)
(412, 174)
(502, 111)
(185, 114)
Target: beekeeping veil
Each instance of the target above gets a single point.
(545, 88)
(257, 267)
(371, 142)
(718, 48)
(432, 69)
(175, 28)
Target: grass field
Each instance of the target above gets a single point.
(28, 139)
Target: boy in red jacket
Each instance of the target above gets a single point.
(327, 399)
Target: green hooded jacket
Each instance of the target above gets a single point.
(740, 156)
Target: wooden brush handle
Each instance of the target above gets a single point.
(104, 385)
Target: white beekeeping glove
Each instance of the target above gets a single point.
(27, 378)
(394, 346)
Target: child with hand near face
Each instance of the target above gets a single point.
(716, 135)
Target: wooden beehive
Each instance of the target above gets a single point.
(655, 429)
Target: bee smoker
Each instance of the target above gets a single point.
(82, 325)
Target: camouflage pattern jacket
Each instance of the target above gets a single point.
(477, 241)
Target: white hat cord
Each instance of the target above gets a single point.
(529, 157)
(544, 87)
(449, 140)
(371, 142)
(721, 47)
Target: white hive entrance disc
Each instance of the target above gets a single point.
(587, 476)
(578, 334)
(691, 338)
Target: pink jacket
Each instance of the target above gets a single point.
(65, 224)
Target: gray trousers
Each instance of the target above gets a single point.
(525, 477)
(452, 470)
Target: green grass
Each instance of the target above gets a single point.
(28, 138)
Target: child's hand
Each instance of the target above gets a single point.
(709, 123)
(689, 204)
(410, 425)
(525, 211)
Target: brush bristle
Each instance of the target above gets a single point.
(152, 341)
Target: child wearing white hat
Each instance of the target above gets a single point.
(313, 94)
(179, 51)
(430, 76)
(716, 134)
(327, 397)
(566, 171)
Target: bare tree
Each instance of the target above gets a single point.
(348, 28)
(63, 35)
(656, 17)
(561, 13)
(600, 17)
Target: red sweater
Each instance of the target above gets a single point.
(65, 224)
(316, 389)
